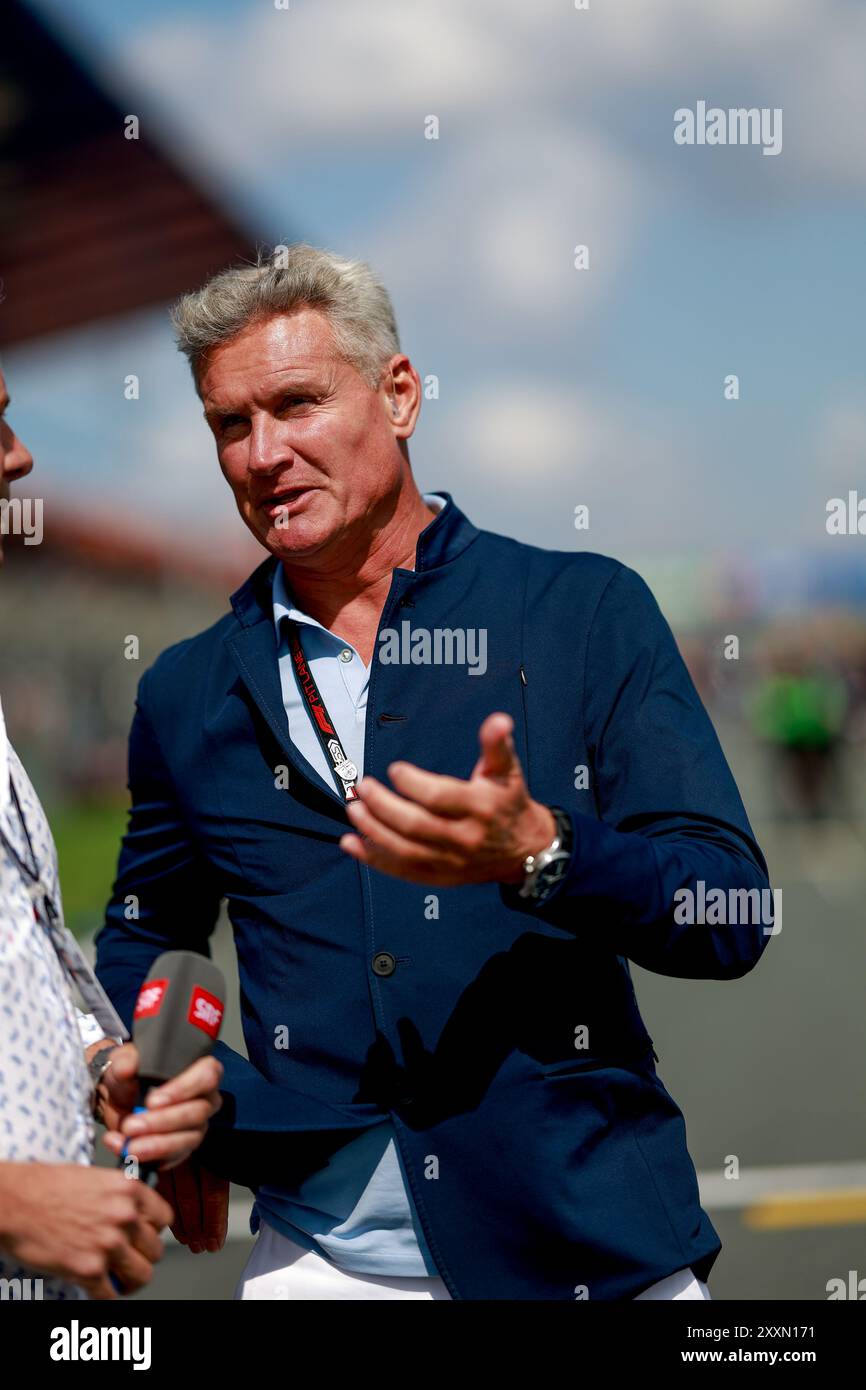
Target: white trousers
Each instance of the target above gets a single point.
(278, 1268)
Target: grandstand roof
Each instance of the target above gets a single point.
(91, 224)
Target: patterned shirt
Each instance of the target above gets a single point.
(44, 1086)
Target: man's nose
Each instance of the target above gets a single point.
(268, 448)
(17, 459)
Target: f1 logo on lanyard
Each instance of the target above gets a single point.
(344, 770)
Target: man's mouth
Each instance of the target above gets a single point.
(280, 501)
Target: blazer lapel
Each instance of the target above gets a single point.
(253, 649)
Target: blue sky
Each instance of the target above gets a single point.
(556, 387)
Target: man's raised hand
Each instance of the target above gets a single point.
(446, 831)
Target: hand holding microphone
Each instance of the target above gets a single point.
(162, 1088)
(95, 1228)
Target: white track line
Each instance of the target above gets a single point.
(719, 1193)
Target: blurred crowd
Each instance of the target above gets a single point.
(800, 693)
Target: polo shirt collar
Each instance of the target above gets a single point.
(446, 537)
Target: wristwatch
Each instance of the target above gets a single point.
(96, 1069)
(542, 871)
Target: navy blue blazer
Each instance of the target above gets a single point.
(539, 1170)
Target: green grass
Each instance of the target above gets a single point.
(88, 840)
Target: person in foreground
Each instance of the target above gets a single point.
(66, 1228)
(450, 785)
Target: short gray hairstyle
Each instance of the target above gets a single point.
(354, 300)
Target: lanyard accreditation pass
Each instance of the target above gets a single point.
(74, 963)
(344, 771)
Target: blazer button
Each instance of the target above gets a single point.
(384, 963)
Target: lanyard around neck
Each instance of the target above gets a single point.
(345, 772)
(36, 886)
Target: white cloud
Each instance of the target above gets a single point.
(554, 130)
(633, 39)
(522, 453)
(492, 209)
(543, 141)
(525, 430)
(840, 442)
(496, 225)
(286, 79)
(259, 85)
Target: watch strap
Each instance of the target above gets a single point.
(542, 871)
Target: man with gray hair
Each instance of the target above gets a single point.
(449, 1090)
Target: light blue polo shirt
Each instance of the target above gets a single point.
(356, 1211)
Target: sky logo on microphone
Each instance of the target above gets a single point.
(150, 998)
(205, 1011)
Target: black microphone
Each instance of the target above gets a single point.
(177, 1019)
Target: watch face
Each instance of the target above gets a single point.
(551, 875)
(557, 867)
(544, 870)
